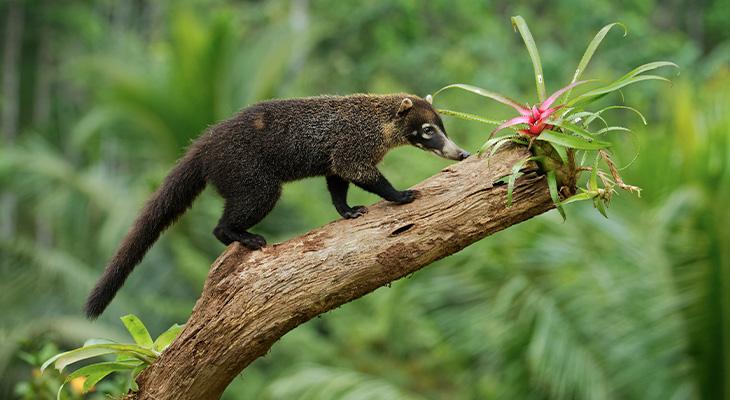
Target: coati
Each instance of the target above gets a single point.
(247, 159)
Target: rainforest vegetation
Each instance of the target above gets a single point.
(100, 97)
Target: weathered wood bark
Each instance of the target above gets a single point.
(252, 298)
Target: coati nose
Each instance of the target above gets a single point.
(464, 154)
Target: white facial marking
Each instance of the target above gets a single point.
(427, 135)
(449, 150)
(437, 152)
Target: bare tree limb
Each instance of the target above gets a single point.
(252, 298)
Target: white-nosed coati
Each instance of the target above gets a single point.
(247, 159)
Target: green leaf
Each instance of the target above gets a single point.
(124, 357)
(94, 341)
(585, 195)
(138, 331)
(586, 102)
(167, 337)
(500, 142)
(563, 123)
(580, 101)
(95, 373)
(592, 46)
(513, 176)
(593, 182)
(562, 152)
(93, 379)
(470, 117)
(486, 93)
(493, 143)
(95, 369)
(598, 203)
(587, 116)
(553, 187)
(648, 67)
(614, 128)
(566, 140)
(643, 119)
(70, 357)
(519, 23)
(137, 370)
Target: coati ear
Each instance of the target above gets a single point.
(429, 99)
(405, 105)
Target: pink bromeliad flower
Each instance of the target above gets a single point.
(538, 117)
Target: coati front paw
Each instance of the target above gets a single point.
(252, 241)
(354, 212)
(407, 196)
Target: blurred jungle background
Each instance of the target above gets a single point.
(100, 97)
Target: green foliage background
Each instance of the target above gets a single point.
(110, 92)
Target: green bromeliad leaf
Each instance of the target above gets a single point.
(589, 97)
(593, 181)
(599, 204)
(513, 177)
(643, 119)
(470, 117)
(553, 187)
(519, 23)
(631, 77)
(592, 46)
(571, 141)
(648, 67)
(486, 93)
(584, 195)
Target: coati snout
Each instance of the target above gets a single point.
(434, 140)
(248, 158)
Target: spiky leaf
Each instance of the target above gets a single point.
(519, 23)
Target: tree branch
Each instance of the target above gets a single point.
(252, 298)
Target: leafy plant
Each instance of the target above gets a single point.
(130, 357)
(560, 130)
(39, 386)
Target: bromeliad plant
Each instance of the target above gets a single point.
(130, 357)
(559, 130)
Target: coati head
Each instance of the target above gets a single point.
(425, 130)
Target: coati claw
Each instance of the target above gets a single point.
(354, 212)
(408, 196)
(253, 242)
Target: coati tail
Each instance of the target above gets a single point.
(174, 196)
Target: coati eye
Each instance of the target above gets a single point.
(428, 131)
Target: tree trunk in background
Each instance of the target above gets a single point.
(252, 298)
(10, 102)
(41, 114)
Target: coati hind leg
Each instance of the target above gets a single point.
(244, 210)
(338, 190)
